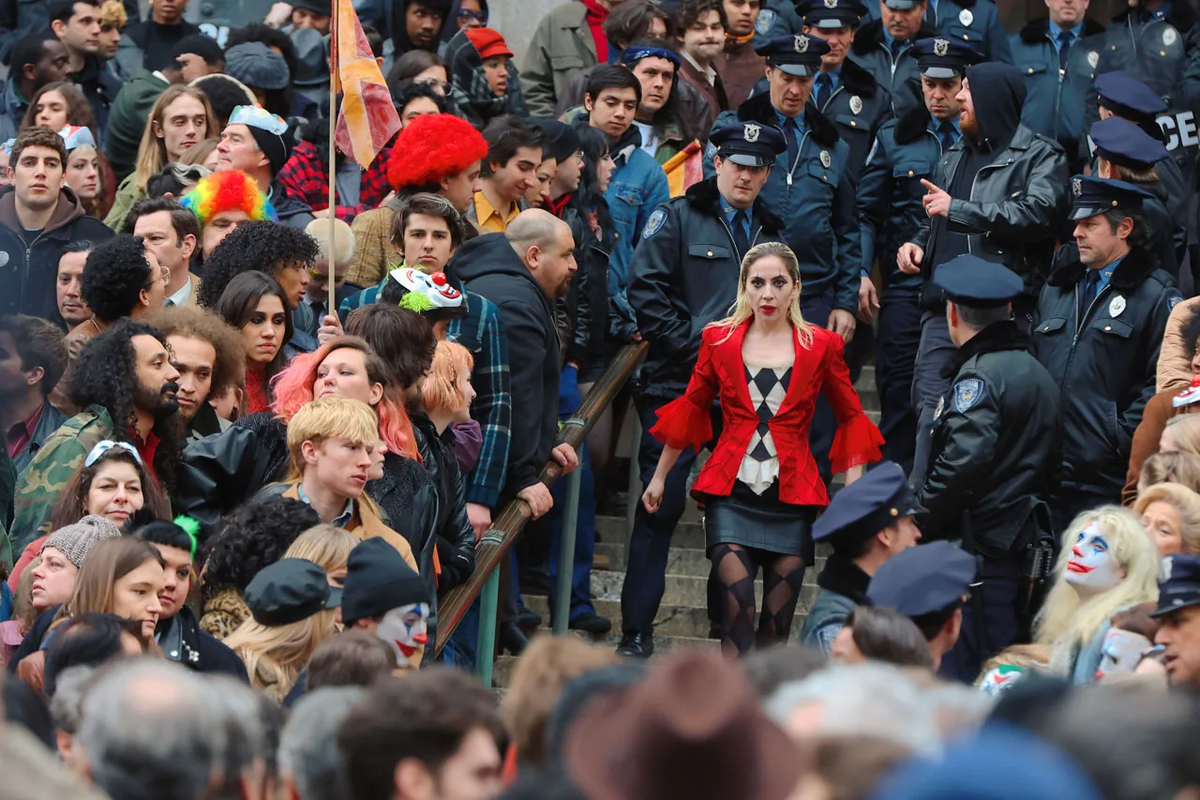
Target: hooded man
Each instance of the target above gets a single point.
(998, 193)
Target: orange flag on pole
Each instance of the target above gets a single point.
(684, 169)
(368, 118)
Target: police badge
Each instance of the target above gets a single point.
(941, 47)
(967, 393)
(751, 132)
(855, 104)
(831, 3)
(1169, 36)
(1093, 59)
(825, 159)
(966, 17)
(801, 44)
(1077, 186)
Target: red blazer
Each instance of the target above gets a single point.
(721, 373)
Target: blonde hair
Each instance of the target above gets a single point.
(343, 241)
(275, 656)
(548, 664)
(1183, 500)
(741, 309)
(1185, 430)
(112, 13)
(152, 151)
(324, 545)
(329, 418)
(1173, 467)
(1066, 623)
(440, 388)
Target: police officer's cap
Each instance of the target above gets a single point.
(798, 55)
(1123, 142)
(942, 59)
(1126, 96)
(751, 144)
(976, 283)
(867, 506)
(1178, 584)
(923, 580)
(1091, 196)
(902, 5)
(832, 14)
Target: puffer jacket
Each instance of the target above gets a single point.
(1103, 362)
(1175, 362)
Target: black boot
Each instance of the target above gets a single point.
(512, 639)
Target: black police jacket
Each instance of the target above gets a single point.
(994, 445)
(684, 276)
(858, 106)
(1103, 360)
(898, 75)
(890, 210)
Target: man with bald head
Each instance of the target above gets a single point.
(523, 271)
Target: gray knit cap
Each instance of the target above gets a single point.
(76, 540)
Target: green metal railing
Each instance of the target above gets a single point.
(494, 544)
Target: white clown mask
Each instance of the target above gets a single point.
(1121, 653)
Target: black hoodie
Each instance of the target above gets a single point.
(489, 266)
(998, 95)
(399, 24)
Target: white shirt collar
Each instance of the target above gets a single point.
(181, 297)
(708, 72)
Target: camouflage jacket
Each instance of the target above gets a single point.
(42, 481)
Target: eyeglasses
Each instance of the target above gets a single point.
(435, 84)
(466, 15)
(103, 447)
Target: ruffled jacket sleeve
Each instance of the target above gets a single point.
(687, 421)
(857, 440)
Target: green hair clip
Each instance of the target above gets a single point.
(418, 302)
(191, 526)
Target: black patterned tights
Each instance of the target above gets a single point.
(735, 567)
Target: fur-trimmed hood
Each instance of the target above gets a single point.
(1129, 274)
(857, 80)
(913, 124)
(704, 195)
(759, 109)
(1036, 30)
(870, 36)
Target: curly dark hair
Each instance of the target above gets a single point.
(262, 246)
(106, 375)
(405, 92)
(255, 535)
(114, 276)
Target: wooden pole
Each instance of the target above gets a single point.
(333, 87)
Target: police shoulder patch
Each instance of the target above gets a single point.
(766, 18)
(1174, 299)
(967, 393)
(654, 223)
(826, 634)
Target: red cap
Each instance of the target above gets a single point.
(488, 42)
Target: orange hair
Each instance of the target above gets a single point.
(440, 388)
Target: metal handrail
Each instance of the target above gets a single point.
(495, 542)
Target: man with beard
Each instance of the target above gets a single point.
(126, 385)
(207, 352)
(999, 193)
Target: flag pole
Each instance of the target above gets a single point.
(333, 76)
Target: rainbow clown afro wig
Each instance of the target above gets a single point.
(233, 190)
(432, 147)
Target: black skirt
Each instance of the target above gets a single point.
(763, 522)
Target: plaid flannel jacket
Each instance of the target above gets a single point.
(480, 332)
(306, 179)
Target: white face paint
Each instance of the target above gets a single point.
(1000, 679)
(1093, 568)
(406, 629)
(1121, 653)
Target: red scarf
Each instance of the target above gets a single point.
(258, 396)
(556, 207)
(596, 14)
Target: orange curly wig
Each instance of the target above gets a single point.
(431, 147)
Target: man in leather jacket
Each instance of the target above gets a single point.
(684, 276)
(867, 523)
(1000, 194)
(1101, 318)
(994, 451)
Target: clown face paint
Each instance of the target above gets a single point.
(1121, 653)
(1093, 568)
(1000, 679)
(406, 629)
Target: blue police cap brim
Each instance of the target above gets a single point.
(942, 73)
(1169, 602)
(749, 159)
(799, 70)
(900, 5)
(1084, 211)
(831, 23)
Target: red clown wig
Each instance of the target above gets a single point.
(432, 147)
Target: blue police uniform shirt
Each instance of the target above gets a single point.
(730, 212)
(887, 37)
(835, 80)
(1106, 275)
(956, 133)
(1056, 34)
(798, 131)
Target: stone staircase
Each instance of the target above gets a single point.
(682, 619)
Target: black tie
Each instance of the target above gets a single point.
(790, 132)
(824, 88)
(946, 134)
(1090, 286)
(1064, 49)
(741, 232)
(897, 46)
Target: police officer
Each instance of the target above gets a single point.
(890, 213)
(1125, 152)
(994, 452)
(867, 523)
(1179, 619)
(1100, 318)
(883, 47)
(929, 584)
(975, 23)
(684, 276)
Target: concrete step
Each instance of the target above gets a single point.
(680, 590)
(682, 561)
(683, 622)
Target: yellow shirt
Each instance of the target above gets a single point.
(488, 218)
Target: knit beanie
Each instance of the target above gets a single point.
(74, 541)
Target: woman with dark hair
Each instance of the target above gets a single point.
(881, 634)
(485, 82)
(1166, 405)
(178, 632)
(256, 305)
(424, 67)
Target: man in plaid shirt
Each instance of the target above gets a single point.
(305, 177)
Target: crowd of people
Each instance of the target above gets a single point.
(261, 437)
